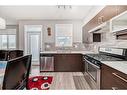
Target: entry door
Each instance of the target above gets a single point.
(34, 45)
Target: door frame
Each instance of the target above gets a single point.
(25, 37)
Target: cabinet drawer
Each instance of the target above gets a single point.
(119, 81)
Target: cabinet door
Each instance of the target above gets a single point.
(107, 13)
(112, 79)
(68, 62)
(121, 8)
(92, 23)
(104, 15)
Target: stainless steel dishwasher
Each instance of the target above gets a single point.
(46, 62)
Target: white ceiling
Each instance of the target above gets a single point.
(15, 13)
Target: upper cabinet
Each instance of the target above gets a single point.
(104, 15)
(119, 26)
(121, 8)
(2, 23)
(119, 23)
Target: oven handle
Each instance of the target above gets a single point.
(92, 64)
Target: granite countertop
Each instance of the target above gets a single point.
(118, 65)
(67, 52)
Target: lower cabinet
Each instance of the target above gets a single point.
(68, 63)
(112, 78)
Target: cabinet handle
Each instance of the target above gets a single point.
(100, 19)
(114, 88)
(119, 77)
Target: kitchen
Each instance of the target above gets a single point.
(84, 48)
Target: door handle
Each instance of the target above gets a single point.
(119, 77)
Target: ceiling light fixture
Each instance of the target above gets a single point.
(64, 6)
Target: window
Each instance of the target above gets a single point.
(3, 41)
(12, 41)
(63, 35)
(8, 39)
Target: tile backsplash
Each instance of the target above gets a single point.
(108, 39)
(76, 47)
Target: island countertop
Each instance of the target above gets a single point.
(66, 52)
(118, 65)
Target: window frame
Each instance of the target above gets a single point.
(70, 36)
(8, 32)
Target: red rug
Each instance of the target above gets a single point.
(40, 82)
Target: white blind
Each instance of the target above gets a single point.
(7, 31)
(64, 29)
(33, 28)
(63, 35)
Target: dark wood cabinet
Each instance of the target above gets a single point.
(68, 62)
(112, 78)
(64, 62)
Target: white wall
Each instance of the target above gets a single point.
(77, 29)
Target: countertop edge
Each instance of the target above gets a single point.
(118, 65)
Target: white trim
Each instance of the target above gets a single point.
(100, 26)
(25, 37)
(118, 15)
(116, 18)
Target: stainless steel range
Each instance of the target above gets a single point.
(93, 63)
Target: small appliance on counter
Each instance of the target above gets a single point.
(93, 63)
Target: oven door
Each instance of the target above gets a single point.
(93, 72)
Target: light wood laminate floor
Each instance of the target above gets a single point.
(63, 80)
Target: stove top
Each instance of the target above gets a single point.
(104, 57)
